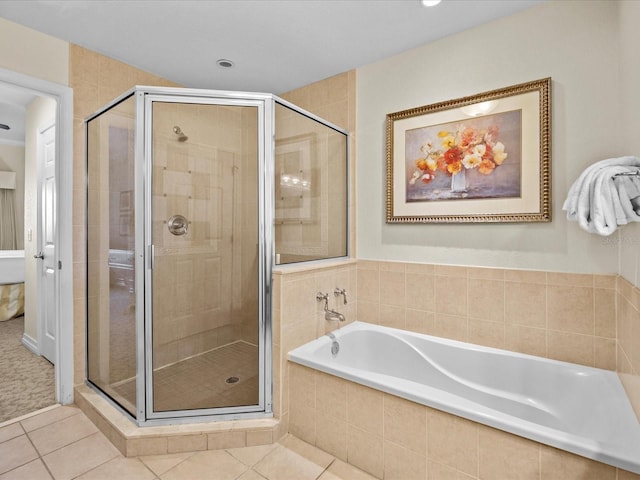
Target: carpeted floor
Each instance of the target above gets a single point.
(27, 381)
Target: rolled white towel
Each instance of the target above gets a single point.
(600, 199)
(628, 187)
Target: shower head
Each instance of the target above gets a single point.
(181, 136)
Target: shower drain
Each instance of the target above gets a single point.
(232, 380)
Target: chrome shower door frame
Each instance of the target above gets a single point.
(146, 96)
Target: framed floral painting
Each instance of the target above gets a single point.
(483, 158)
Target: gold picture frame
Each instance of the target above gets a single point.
(482, 158)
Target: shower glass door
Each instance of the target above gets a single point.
(111, 296)
(204, 305)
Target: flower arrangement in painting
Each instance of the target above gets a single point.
(465, 149)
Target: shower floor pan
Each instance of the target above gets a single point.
(223, 377)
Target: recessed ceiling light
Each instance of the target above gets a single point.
(224, 63)
(430, 3)
(4, 127)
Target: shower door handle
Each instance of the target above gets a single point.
(39, 255)
(152, 256)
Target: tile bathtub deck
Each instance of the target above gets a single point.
(61, 443)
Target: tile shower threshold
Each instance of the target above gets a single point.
(132, 440)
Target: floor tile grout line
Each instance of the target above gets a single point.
(46, 467)
(39, 457)
(16, 436)
(145, 465)
(27, 463)
(93, 468)
(72, 443)
(120, 456)
(27, 416)
(191, 454)
(51, 423)
(250, 466)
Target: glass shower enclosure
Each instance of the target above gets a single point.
(181, 233)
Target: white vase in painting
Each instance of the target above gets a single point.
(459, 181)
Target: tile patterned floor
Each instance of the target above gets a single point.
(204, 377)
(61, 443)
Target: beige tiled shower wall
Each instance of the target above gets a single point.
(205, 290)
(628, 351)
(96, 80)
(563, 316)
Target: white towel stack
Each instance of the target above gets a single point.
(603, 197)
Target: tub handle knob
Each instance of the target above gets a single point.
(323, 296)
(341, 291)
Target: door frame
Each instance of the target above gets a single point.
(63, 96)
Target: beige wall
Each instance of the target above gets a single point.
(628, 298)
(33, 53)
(12, 160)
(629, 70)
(558, 39)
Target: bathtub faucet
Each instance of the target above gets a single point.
(328, 313)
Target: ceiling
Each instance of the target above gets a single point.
(13, 103)
(276, 45)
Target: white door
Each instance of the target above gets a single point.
(47, 254)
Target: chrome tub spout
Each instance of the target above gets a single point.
(329, 314)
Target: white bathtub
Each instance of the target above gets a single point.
(11, 266)
(579, 409)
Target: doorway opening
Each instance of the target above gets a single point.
(45, 226)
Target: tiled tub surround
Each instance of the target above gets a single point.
(564, 316)
(299, 318)
(578, 409)
(628, 328)
(393, 438)
(592, 320)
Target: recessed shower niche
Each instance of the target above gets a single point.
(192, 196)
